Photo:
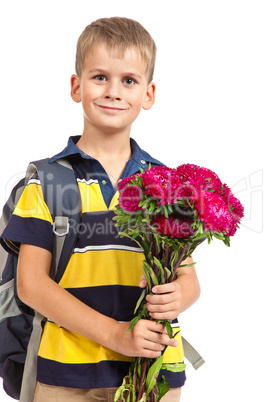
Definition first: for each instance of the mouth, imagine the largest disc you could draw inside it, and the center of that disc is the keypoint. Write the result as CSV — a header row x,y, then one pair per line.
x,y
110,109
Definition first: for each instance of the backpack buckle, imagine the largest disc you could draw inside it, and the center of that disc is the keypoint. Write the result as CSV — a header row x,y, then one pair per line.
x,y
61,226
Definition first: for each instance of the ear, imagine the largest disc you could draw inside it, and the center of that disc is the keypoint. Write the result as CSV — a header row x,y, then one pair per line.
x,y
75,88
150,97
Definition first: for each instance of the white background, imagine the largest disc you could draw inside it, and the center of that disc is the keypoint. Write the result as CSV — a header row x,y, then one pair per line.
x,y
211,110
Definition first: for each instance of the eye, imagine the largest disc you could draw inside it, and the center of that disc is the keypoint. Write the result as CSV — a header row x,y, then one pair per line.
x,y
129,81
100,78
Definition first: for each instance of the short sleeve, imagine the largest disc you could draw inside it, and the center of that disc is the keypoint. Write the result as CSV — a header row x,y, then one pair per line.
x,y
31,221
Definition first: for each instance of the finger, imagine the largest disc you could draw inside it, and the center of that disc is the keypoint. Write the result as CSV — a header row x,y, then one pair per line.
x,y
143,282
156,327
165,288
169,315
158,341
162,308
162,299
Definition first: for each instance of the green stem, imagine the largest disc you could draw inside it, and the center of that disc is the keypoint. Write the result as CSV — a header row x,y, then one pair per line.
x,y
144,366
166,261
172,277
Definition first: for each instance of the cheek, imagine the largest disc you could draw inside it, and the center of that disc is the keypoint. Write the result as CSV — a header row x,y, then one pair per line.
x,y
136,100
90,93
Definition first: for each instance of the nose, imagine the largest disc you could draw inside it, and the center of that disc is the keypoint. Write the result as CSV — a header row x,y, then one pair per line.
x,y
113,91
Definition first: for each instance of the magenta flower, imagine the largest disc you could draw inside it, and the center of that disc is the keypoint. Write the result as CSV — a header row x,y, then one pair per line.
x,y
129,198
162,183
199,178
215,214
234,205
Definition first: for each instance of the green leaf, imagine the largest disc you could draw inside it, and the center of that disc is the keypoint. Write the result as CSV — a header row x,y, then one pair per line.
x,y
146,221
227,241
169,328
174,259
170,208
158,263
153,374
156,237
163,388
166,211
187,265
141,203
168,272
147,275
140,300
149,272
133,322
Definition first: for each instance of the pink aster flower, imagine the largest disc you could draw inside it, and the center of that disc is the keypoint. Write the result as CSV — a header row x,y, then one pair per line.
x,y
199,178
215,214
234,205
161,183
129,197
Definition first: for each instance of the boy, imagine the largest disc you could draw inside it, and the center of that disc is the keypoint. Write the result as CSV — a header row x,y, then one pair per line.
x,y
85,348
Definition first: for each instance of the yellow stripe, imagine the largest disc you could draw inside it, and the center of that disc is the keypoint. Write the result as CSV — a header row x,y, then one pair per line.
x,y
32,204
91,197
64,346
114,201
174,355
101,268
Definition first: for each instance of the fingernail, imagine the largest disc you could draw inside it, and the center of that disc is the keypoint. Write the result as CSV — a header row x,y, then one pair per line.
x,y
176,343
154,290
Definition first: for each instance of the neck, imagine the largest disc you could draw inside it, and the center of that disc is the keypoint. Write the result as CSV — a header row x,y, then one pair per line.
x,y
99,144
113,151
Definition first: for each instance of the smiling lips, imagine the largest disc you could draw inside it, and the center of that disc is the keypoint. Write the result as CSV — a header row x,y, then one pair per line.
x,y
110,109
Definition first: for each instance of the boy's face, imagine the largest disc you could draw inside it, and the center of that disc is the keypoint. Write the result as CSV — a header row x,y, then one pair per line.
x,y
112,90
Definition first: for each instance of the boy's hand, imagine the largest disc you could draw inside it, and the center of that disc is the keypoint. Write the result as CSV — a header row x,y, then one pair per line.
x,y
165,303
147,339
171,299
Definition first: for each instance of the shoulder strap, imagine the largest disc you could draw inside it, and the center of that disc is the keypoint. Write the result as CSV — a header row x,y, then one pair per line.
x,y
62,196
191,354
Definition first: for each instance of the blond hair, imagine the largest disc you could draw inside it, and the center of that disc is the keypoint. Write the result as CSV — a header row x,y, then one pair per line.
x,y
116,33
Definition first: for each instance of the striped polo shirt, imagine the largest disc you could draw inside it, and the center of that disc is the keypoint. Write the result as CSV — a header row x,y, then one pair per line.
x,y
103,272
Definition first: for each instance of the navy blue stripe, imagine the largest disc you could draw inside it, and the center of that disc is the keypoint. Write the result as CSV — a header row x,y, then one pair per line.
x,y
84,376
114,301
95,375
98,228
36,232
175,380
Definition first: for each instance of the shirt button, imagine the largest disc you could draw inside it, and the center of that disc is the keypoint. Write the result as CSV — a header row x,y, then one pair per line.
x,y
104,182
143,162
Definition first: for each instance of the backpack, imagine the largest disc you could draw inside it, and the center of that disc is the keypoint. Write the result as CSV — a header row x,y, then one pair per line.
x,y
20,326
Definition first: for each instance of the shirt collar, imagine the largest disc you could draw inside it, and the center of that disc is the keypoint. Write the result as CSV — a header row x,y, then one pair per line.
x,y
138,155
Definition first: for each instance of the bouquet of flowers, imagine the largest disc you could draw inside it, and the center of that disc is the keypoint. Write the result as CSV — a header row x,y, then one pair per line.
x,y
169,212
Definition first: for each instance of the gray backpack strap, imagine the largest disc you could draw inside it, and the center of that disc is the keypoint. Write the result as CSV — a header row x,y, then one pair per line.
x,y
30,367
60,228
192,355
53,177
